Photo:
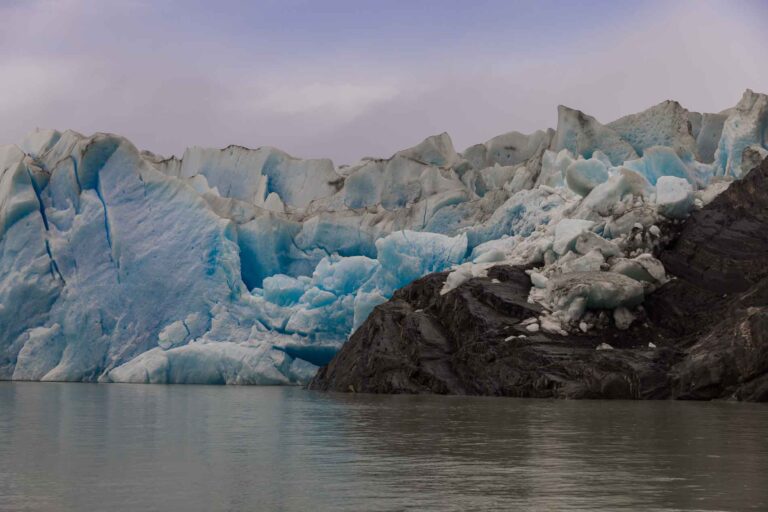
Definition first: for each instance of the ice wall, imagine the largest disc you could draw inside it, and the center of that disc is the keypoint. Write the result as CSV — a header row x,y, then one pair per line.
x,y
252,267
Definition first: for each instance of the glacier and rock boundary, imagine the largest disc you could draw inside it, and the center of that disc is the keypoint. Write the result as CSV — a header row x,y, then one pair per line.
x,y
241,266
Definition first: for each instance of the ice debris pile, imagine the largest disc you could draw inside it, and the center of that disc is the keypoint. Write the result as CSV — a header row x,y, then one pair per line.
x,y
245,266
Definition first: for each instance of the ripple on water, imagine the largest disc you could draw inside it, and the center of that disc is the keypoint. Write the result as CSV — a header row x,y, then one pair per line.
x,y
86,447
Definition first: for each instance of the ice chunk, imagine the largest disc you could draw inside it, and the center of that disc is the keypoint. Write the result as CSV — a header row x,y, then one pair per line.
x,y
435,150
602,157
17,192
396,183
538,280
598,290
330,319
207,363
660,161
200,184
488,256
752,157
364,304
623,318
273,203
626,224
747,124
695,121
534,327
606,197
584,175
172,335
513,148
644,268
251,174
39,141
517,250
363,186
709,136
283,257
665,124
464,273
519,215
409,255
335,233
566,232
494,178
583,135
590,262
674,197
714,189
40,353
553,166
345,275
476,156
508,149
511,178
283,290
316,298
552,325
589,241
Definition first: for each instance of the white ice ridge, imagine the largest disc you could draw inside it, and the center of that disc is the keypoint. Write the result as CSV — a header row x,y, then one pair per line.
x,y
245,266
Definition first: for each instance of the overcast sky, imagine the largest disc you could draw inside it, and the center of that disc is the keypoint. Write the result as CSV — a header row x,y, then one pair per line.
x,y
347,79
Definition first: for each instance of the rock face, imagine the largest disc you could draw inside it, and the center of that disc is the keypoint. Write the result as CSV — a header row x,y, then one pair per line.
x,y
705,334
472,341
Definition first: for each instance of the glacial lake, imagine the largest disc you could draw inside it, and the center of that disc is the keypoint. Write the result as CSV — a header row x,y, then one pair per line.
x,y
68,447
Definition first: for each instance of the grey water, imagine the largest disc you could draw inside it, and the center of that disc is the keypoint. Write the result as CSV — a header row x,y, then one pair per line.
x,y
67,447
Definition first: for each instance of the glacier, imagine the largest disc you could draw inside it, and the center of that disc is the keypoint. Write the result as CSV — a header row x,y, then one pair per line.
x,y
250,266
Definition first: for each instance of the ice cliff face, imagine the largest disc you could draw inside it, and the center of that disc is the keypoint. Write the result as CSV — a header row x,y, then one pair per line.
x,y
251,266
486,337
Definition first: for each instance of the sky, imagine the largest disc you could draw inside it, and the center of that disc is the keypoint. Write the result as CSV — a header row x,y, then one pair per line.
x,y
347,79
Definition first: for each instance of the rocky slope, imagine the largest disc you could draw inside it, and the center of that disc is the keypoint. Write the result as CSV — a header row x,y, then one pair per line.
x,y
704,335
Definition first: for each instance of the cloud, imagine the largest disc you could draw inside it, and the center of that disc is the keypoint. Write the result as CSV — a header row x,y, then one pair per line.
x,y
168,81
698,53
26,83
345,100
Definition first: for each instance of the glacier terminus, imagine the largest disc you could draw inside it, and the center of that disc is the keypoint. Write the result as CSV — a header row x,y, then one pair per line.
x,y
250,266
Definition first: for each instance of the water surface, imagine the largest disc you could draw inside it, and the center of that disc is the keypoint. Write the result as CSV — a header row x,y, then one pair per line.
x,y
138,447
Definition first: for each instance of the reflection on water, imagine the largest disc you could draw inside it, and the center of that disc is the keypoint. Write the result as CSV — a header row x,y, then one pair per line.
x,y
132,447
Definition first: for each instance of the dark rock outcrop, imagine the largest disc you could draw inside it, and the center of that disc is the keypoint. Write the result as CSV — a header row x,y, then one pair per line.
x,y
709,327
